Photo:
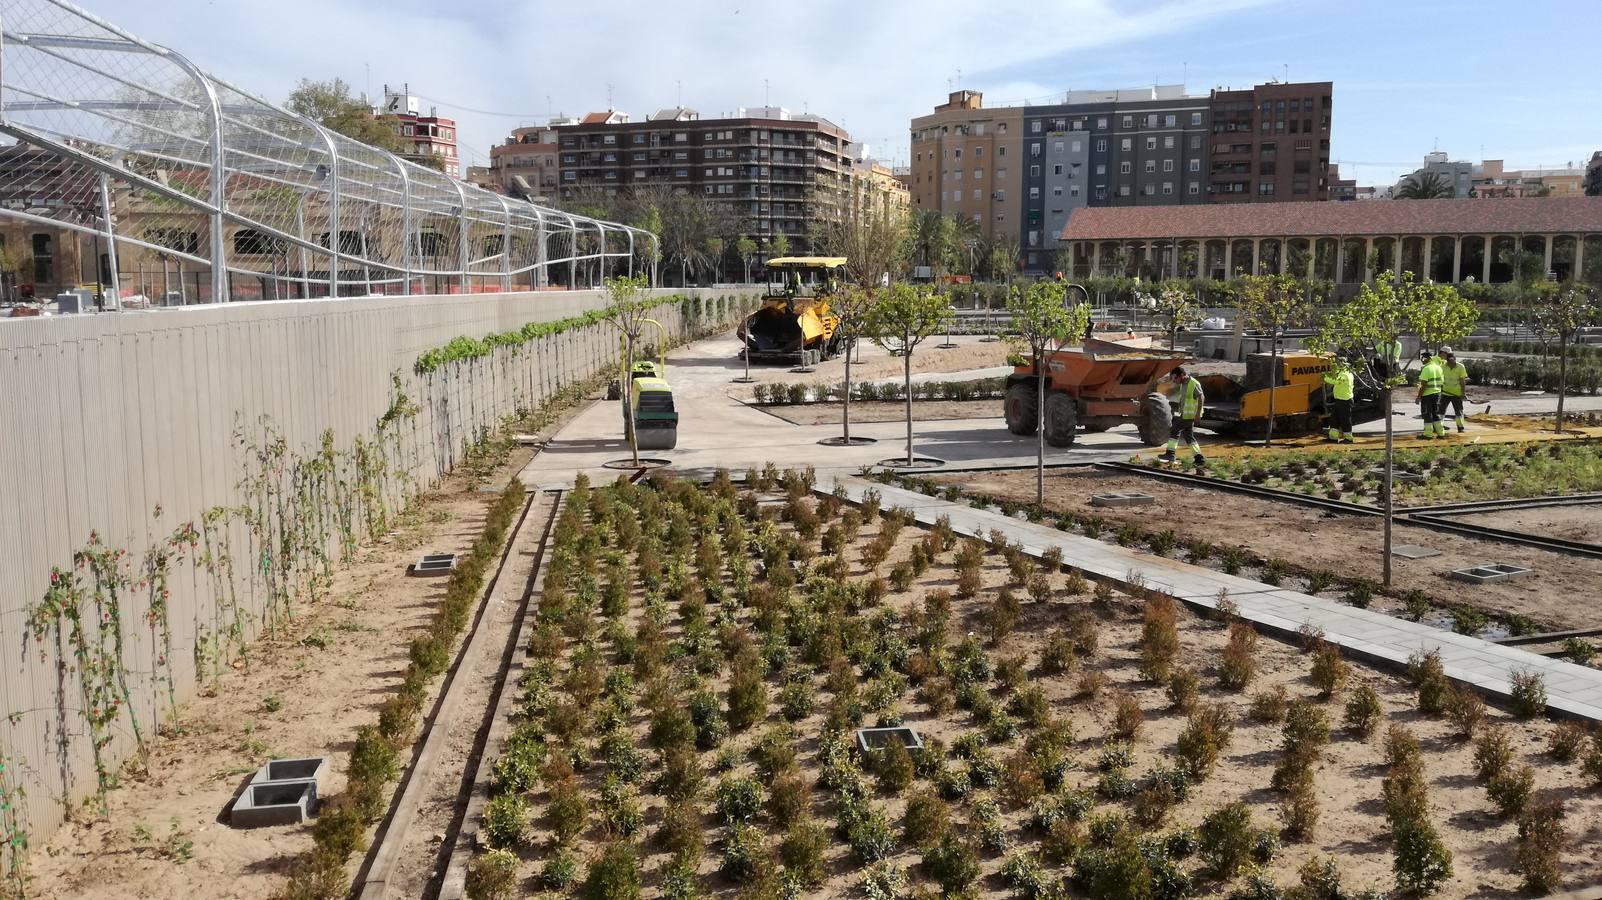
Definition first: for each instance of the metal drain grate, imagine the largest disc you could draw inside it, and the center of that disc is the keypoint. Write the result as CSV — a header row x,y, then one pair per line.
x,y
431,564
870,739
1490,572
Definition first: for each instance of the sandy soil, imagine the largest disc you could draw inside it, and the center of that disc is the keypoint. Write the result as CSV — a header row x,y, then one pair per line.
x,y
876,363
1346,545
1348,776
1571,523
886,411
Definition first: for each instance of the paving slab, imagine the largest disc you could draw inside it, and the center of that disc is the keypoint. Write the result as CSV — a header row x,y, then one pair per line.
x,y
1571,689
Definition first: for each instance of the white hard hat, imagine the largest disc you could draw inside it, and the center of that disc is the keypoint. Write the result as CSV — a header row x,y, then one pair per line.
x,y
1446,349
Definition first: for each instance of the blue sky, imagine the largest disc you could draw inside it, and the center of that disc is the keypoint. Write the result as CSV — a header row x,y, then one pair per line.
x,y
1512,81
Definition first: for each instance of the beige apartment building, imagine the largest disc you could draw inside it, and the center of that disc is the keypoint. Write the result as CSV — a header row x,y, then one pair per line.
x,y
965,162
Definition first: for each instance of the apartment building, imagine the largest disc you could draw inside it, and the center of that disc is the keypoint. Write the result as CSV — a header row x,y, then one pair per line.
x,y
771,167
1271,143
428,136
524,165
1492,178
1023,170
967,161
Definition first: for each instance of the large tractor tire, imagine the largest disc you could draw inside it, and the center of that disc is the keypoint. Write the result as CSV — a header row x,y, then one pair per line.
x,y
1158,422
1022,408
1062,420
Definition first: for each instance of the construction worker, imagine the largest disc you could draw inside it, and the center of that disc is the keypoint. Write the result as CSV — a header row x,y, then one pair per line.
x,y
1429,396
1454,378
1190,409
1390,355
1341,381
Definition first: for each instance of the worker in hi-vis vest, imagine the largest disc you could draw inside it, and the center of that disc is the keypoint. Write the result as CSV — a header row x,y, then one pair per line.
x,y
1454,381
1390,355
1429,396
1341,382
1190,409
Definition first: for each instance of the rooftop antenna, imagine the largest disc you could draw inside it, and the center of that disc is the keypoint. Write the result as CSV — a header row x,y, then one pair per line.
x,y
609,106
1287,73
679,97
1185,76
959,79
765,93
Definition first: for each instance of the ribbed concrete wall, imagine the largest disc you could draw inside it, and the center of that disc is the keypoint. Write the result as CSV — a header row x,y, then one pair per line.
x,y
106,417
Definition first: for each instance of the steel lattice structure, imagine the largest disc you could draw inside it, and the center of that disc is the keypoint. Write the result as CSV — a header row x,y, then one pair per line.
x,y
128,141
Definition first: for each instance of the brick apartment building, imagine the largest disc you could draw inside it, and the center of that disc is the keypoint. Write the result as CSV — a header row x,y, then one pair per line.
x,y
524,165
429,136
1023,170
771,167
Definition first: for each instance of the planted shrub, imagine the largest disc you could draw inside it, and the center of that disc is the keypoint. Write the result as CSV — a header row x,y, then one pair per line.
x,y
614,875
1510,789
1493,752
1057,656
1206,734
1002,615
1226,838
1542,838
1465,710
803,850
1363,711
560,869
737,799
506,820
926,819
1159,640
745,855
1300,808
1528,694
679,832
893,767
492,875
1268,705
1184,688
1566,740
567,812
1239,664
1421,862
1430,677
953,863
1329,671
1127,716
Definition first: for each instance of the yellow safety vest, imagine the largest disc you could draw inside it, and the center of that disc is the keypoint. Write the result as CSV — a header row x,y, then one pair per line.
x,y
1341,382
1429,378
1452,379
1191,406
1392,351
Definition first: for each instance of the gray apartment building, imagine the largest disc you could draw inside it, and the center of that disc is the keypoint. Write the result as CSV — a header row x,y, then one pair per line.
x,y
1140,147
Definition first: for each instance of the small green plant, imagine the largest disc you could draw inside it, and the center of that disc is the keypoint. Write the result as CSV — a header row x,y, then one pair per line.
x,y
614,875
1159,641
1465,710
1184,689
1528,694
1430,677
1542,838
1128,717
1579,651
1566,740
506,820
1239,664
1226,837
1510,789
492,875
1360,592
803,852
953,863
926,819
1421,861
1363,712
1493,752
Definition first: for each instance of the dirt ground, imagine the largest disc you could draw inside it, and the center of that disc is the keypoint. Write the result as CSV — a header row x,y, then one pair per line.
x,y
877,364
1345,545
1351,826
886,411
1571,523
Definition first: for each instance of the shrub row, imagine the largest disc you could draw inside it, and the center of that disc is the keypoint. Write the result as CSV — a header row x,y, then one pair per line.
x,y
341,827
795,394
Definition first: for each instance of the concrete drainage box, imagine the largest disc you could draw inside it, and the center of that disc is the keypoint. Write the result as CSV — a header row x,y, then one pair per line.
x,y
1409,477
282,792
1122,499
870,739
1490,572
432,564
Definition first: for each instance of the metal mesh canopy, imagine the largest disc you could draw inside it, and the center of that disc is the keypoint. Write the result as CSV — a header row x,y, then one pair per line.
x,y
194,190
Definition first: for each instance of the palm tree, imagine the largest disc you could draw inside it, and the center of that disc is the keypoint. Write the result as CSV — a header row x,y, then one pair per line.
x,y
965,236
931,238
1426,186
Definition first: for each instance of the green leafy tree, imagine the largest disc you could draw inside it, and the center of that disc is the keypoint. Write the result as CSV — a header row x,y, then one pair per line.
x,y
1043,319
1571,308
1381,314
1175,306
747,249
854,309
901,319
779,245
1426,186
932,238
868,231
630,313
330,104
1003,259
1273,304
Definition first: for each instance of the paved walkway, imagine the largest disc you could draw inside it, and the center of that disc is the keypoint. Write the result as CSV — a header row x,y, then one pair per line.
x,y
1571,689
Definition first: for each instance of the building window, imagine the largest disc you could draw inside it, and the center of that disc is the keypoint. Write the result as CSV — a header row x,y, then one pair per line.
x,y
1151,165
1168,165
1125,167
1168,187
1127,144
1001,196
1151,120
1000,174
1195,165
677,173
1001,128
1195,187
1073,190
1123,190
1101,168
1034,149
1077,147
978,151
978,173
1168,142
957,153
979,128
1034,171
1151,143
1195,142
1034,127
1129,121
1149,190
1101,192
956,196
1056,170
1056,191
1101,123
957,175
1001,151
1195,118
251,241
609,139
1034,193
1101,145
1169,121
1056,146
976,193
1265,187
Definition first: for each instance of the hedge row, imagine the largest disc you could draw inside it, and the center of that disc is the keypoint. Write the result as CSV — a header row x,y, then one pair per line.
x,y
342,825
797,394
1531,373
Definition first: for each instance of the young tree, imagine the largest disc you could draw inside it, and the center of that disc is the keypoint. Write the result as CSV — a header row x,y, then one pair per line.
x,y
779,245
901,319
629,312
1572,308
1384,313
854,308
747,248
1176,307
1273,304
1044,319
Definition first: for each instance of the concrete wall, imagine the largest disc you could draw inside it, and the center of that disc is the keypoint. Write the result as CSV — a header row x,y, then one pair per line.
x,y
223,409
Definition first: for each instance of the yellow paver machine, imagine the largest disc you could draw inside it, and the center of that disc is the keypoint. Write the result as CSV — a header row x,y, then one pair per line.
x,y
794,323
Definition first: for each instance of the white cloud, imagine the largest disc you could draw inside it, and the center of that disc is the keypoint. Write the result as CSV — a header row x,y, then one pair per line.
x,y
868,66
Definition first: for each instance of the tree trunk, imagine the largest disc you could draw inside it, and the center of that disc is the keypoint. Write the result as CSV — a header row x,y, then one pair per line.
x,y
1273,382
1563,377
906,365
1040,432
1389,500
845,418
628,400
